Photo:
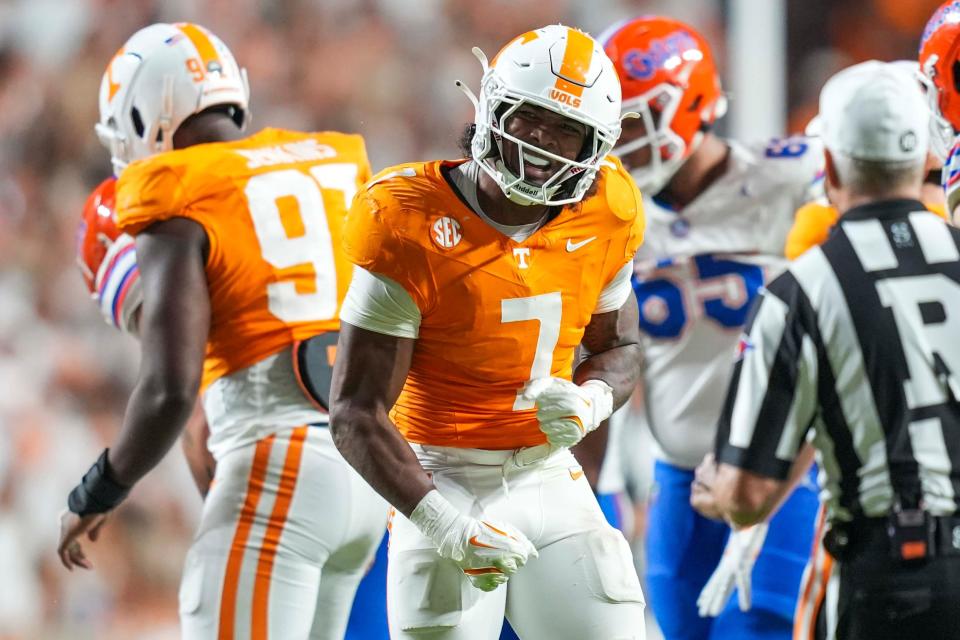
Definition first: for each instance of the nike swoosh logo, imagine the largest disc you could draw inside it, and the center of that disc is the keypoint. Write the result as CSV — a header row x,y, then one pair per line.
x,y
475,542
573,246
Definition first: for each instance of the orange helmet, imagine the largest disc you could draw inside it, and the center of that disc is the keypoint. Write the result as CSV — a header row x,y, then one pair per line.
x,y
939,59
108,260
668,76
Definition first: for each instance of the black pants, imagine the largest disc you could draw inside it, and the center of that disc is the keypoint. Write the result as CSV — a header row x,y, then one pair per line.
x,y
882,598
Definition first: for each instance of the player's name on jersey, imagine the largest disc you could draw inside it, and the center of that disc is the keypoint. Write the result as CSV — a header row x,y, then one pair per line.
x,y
299,151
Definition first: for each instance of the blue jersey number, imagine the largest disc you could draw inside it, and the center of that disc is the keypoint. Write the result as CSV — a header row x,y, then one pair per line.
x,y
786,148
663,304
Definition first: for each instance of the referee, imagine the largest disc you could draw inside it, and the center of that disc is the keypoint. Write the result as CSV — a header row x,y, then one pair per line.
x,y
856,349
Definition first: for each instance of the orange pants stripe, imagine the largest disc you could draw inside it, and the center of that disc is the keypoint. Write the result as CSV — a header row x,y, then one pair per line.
x,y
271,540
228,601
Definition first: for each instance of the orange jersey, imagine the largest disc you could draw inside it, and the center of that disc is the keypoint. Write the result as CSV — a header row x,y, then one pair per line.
x,y
813,222
495,312
272,206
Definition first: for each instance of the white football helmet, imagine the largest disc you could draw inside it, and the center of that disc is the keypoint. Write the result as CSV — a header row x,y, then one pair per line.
x,y
561,69
161,76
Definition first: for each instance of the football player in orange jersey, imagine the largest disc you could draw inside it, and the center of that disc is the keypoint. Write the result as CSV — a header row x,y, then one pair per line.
x,y
107,260
235,240
455,392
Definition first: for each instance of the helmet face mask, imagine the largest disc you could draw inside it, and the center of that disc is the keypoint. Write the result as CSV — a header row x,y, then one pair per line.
x,y
654,155
512,150
541,68
942,133
162,75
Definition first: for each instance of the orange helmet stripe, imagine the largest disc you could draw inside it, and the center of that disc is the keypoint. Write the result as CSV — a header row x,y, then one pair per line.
x,y
576,62
202,42
523,38
112,87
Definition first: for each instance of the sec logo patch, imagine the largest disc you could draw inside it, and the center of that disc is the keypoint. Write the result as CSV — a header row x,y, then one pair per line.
x,y
446,232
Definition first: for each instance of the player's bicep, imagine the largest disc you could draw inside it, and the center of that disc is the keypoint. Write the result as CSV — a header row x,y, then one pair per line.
x,y
175,319
370,369
613,329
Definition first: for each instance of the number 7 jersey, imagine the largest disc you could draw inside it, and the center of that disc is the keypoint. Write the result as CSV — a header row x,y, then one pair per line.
x,y
494,312
272,206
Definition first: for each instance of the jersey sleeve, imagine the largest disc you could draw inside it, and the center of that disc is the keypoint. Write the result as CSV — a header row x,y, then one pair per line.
x,y
375,238
772,398
951,177
617,291
148,192
377,303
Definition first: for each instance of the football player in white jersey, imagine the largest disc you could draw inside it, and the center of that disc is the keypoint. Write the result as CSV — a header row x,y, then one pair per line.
x,y
718,213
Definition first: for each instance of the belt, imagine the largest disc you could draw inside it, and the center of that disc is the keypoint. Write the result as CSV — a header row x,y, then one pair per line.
x,y
522,457
936,536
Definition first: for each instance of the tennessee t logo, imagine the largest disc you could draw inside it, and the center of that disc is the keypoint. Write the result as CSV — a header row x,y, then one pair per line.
x,y
521,253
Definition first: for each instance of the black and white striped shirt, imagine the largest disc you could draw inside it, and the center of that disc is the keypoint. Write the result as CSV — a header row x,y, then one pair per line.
x,y
856,347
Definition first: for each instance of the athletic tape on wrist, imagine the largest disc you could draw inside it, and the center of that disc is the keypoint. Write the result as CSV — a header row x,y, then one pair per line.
x,y
96,493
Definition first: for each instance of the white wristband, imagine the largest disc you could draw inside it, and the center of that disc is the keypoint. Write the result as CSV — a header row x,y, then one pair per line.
x,y
601,397
434,516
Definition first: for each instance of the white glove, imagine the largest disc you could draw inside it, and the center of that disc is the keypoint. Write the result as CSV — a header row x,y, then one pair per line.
x,y
487,552
734,569
567,411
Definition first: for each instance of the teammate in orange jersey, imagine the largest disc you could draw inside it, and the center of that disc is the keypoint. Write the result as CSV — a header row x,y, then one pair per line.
x,y
235,243
108,262
455,392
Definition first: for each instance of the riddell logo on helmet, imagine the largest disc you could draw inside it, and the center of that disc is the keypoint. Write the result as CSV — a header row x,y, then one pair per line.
x,y
564,98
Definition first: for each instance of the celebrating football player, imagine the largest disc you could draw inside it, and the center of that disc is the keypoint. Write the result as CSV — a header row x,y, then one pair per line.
x,y
236,256
455,392
717,215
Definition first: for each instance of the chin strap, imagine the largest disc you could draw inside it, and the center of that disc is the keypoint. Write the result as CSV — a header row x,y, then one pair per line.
x,y
166,117
515,190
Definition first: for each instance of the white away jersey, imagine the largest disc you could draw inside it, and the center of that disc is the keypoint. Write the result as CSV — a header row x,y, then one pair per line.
x,y
696,275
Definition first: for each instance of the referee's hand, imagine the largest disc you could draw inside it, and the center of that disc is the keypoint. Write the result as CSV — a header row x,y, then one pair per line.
x,y
72,529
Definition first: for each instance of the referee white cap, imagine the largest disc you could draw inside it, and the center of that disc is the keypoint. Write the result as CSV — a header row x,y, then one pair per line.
x,y
874,111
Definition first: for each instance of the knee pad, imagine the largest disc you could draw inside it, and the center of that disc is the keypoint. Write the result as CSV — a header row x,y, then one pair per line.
x,y
611,575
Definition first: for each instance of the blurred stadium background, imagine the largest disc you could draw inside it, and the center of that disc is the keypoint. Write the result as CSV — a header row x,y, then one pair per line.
x,y
382,68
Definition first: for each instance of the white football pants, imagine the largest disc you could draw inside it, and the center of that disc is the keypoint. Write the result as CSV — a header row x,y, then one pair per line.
x,y
288,531
582,586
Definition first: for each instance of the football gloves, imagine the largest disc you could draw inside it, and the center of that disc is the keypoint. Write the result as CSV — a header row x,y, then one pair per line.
x,y
734,570
487,552
568,411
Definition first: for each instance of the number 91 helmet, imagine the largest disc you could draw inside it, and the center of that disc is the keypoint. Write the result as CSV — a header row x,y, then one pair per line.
x,y
560,69
161,76
669,76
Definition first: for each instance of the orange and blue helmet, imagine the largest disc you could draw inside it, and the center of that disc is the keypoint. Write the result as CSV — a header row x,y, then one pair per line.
x,y
668,75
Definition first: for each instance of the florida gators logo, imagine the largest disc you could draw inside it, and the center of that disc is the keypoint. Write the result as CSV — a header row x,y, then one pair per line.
x,y
948,12
642,64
